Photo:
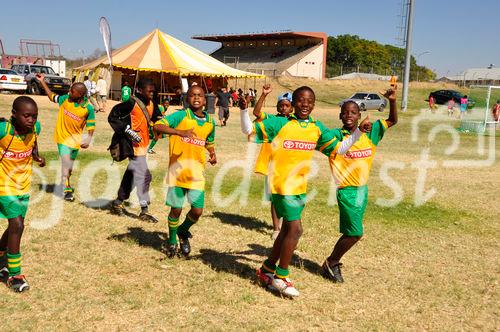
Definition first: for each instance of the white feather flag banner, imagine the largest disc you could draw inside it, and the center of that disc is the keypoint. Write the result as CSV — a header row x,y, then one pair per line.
x,y
106,37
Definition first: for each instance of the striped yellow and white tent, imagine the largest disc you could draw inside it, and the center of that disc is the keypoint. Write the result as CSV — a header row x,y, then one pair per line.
x,y
160,52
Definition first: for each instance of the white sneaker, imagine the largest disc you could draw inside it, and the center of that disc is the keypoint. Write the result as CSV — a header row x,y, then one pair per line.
x,y
285,287
266,279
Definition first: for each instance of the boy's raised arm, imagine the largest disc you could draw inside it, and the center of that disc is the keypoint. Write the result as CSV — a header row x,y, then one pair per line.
x,y
41,78
266,89
391,95
245,122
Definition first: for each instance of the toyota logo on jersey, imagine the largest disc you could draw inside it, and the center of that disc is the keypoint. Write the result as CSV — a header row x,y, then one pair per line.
x,y
72,116
193,141
299,145
17,155
358,154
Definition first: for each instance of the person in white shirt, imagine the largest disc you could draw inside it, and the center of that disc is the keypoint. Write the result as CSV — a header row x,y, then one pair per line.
x,y
91,88
102,93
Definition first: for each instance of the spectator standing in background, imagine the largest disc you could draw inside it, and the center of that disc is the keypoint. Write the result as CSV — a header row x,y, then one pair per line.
x,y
90,91
451,107
102,93
463,106
126,91
223,99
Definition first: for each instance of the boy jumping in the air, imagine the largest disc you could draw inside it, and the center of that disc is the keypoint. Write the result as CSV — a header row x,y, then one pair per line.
x,y
293,141
284,108
75,114
351,172
18,149
192,132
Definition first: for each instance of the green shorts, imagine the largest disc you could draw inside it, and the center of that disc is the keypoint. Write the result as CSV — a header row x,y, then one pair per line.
x,y
176,196
14,206
289,207
352,205
65,150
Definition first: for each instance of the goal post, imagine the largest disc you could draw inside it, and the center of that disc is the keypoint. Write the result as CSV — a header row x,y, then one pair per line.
x,y
481,118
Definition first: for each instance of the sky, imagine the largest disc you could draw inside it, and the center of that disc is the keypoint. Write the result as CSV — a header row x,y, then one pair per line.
x,y
448,37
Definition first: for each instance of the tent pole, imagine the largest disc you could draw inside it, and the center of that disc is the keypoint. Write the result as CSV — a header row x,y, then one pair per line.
x,y
204,83
136,79
161,83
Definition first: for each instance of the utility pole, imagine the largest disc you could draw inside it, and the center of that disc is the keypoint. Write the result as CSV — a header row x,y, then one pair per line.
x,y
418,57
406,79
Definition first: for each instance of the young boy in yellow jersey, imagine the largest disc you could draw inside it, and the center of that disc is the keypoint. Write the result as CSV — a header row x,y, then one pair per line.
x,y
75,114
18,150
351,172
192,132
293,141
284,108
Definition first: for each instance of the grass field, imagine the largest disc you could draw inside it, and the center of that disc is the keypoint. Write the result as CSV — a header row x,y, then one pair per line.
x,y
429,260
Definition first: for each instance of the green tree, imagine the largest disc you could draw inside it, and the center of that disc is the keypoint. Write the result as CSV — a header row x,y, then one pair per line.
x,y
348,53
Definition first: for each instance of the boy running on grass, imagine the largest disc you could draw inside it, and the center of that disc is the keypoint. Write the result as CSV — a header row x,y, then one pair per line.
x,y
18,149
284,108
293,140
351,172
131,121
75,114
192,132
163,109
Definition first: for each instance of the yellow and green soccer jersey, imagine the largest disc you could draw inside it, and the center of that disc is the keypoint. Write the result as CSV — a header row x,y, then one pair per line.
x,y
71,120
262,162
16,165
188,155
293,142
353,168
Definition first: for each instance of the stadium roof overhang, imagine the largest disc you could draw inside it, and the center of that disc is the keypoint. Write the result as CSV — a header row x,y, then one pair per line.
x,y
262,36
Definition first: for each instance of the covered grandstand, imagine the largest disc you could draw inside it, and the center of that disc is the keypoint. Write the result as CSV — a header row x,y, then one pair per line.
x,y
286,53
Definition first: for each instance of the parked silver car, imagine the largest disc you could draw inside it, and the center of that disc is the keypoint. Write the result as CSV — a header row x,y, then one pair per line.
x,y
367,101
56,83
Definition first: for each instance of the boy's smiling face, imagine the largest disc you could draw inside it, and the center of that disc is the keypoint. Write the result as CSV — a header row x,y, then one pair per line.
x,y
350,115
304,104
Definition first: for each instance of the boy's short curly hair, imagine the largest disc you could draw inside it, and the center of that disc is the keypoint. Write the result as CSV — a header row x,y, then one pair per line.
x,y
344,105
21,100
295,94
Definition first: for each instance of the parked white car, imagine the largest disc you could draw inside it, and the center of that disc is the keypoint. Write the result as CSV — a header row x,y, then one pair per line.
x,y
11,81
367,101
